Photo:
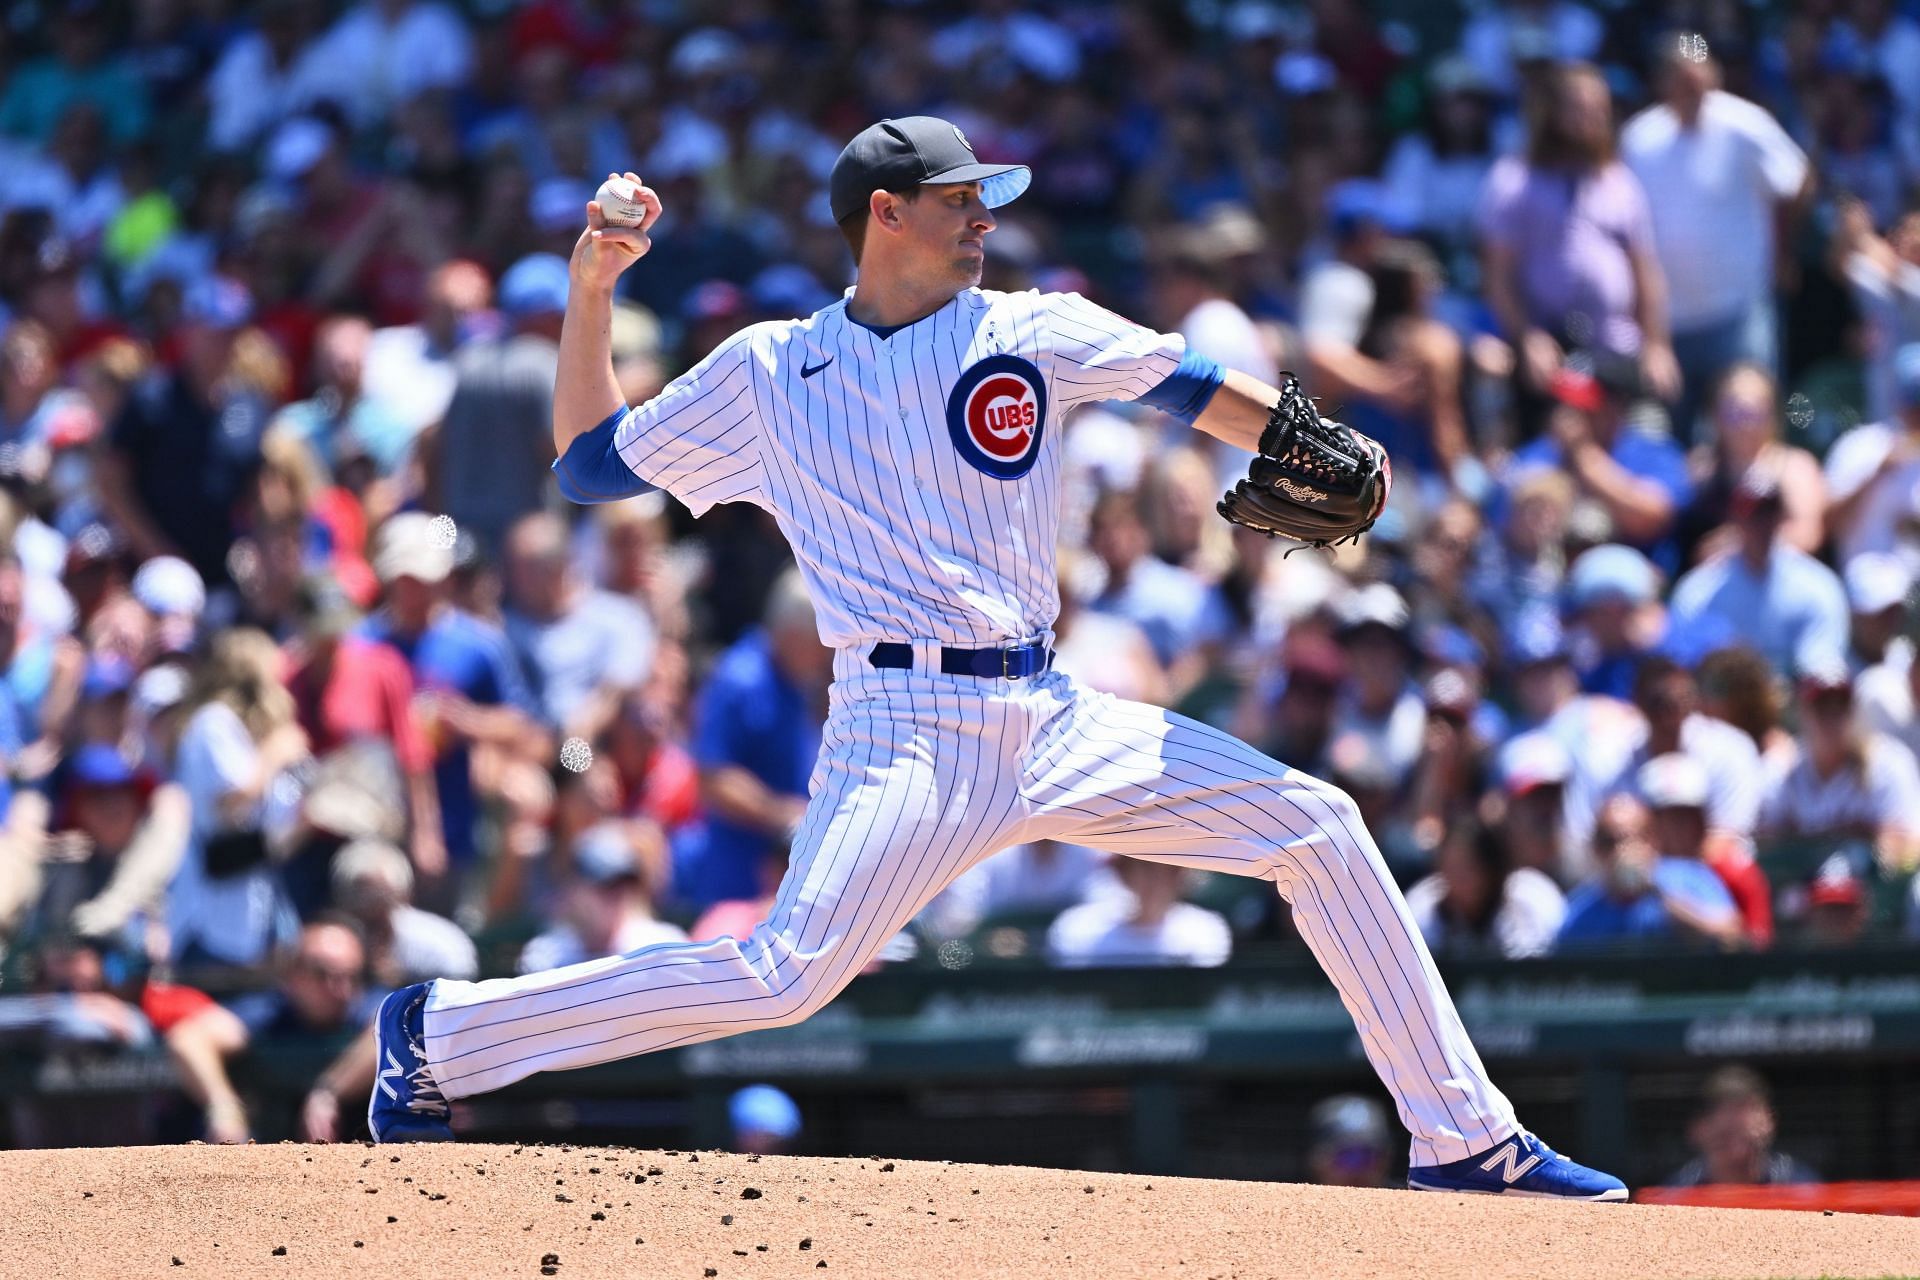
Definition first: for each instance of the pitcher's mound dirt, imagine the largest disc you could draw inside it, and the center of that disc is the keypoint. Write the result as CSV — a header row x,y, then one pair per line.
x,y
548,1210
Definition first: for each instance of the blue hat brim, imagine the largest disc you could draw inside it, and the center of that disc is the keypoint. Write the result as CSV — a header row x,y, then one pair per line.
x,y
999,183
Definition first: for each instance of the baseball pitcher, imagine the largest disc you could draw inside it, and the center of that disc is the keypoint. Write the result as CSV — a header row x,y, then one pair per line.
x,y
907,440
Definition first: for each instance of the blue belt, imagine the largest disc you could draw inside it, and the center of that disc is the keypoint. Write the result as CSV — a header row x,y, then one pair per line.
x,y
1016,663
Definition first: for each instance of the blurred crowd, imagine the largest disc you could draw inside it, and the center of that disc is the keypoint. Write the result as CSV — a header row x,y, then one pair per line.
x,y
310,684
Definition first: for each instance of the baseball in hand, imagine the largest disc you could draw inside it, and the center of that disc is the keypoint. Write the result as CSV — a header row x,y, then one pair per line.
x,y
620,202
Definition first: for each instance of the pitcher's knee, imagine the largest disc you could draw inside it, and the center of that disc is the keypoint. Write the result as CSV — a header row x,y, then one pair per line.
x,y
1341,809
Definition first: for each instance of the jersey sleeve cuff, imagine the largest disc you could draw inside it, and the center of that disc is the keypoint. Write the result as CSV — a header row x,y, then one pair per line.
x,y
1188,390
592,470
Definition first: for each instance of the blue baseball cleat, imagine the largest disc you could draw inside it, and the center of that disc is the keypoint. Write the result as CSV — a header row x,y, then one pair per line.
x,y
406,1105
1521,1166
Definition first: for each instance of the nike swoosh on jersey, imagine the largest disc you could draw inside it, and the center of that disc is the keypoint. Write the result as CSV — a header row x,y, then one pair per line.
x,y
808,370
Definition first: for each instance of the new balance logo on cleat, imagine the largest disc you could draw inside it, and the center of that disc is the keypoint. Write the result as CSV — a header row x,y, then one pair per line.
x,y
389,1073
1509,1155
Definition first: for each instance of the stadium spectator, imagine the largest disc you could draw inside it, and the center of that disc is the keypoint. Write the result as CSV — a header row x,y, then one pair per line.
x,y
117,837
1148,926
1734,1130
1347,1143
1839,905
321,998
382,54
1380,703
637,561
485,463
1676,788
373,886
349,689
1668,699
471,697
1872,470
1570,257
1106,651
266,72
1433,176
343,419
1534,774
1521,563
1878,585
1183,616
1769,593
1613,595
227,905
1638,893
1477,901
410,368
1337,300
582,649
180,457
1738,686
1638,480
1597,733
756,733
1727,173
607,909
1192,294
1845,783
1884,274
1744,416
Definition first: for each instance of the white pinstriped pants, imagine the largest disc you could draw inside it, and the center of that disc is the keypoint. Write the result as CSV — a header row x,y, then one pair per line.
x,y
921,776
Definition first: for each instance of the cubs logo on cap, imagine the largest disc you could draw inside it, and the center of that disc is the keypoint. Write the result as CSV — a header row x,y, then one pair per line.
x,y
997,414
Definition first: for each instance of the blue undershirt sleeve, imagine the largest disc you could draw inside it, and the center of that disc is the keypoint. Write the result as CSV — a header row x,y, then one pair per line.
x,y
1188,390
592,470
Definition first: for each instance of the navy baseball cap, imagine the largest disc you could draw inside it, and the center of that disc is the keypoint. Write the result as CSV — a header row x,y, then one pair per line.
x,y
915,151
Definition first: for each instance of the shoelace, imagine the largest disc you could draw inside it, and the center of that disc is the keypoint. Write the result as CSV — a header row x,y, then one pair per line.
x,y
424,1096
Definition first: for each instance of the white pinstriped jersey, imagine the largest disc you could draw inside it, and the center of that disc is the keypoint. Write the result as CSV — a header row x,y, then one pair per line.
x,y
915,475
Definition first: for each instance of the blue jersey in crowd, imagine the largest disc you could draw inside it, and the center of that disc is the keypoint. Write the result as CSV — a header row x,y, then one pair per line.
x,y
1593,916
752,716
1650,457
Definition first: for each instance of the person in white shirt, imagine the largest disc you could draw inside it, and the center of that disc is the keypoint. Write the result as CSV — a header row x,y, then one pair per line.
x,y
373,882
1476,900
1873,472
1190,288
1721,171
1846,782
1150,926
385,53
608,908
1336,302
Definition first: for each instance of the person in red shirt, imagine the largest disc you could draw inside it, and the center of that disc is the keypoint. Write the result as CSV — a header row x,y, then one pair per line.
x,y
658,776
347,689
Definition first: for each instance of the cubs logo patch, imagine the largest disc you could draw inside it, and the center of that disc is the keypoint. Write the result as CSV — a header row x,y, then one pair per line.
x,y
997,414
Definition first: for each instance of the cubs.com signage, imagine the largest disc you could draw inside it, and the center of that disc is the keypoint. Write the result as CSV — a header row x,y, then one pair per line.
x,y
997,414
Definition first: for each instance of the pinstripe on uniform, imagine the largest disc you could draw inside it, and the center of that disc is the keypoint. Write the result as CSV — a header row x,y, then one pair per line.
x,y
900,537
